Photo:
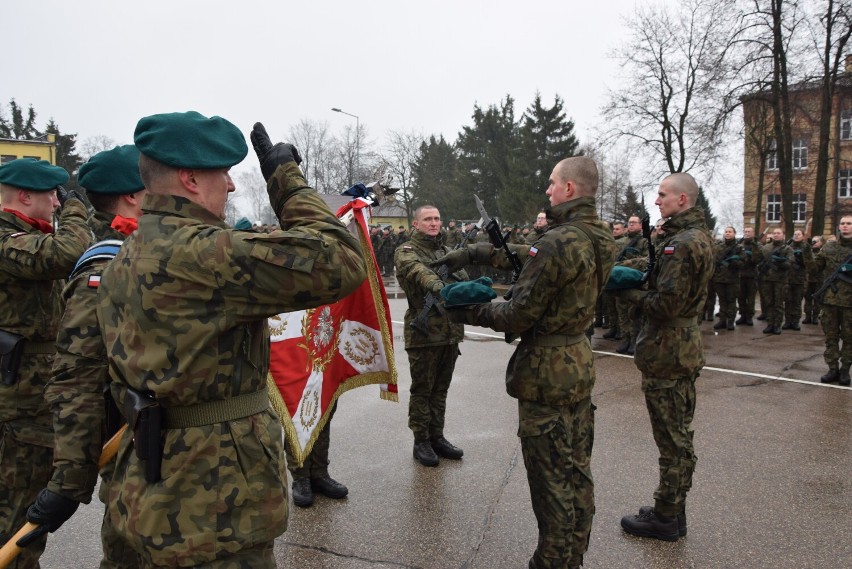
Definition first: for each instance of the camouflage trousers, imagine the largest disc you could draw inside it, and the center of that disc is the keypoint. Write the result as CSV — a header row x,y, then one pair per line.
x,y
671,407
556,441
745,298
260,556
316,463
837,325
26,463
117,552
610,312
629,320
793,302
710,303
727,293
811,306
772,295
431,374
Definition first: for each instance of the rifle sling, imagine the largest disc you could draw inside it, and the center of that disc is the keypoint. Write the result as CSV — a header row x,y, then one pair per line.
x,y
598,265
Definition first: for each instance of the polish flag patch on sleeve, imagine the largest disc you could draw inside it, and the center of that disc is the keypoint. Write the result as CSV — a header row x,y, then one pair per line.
x,y
533,251
94,281
668,250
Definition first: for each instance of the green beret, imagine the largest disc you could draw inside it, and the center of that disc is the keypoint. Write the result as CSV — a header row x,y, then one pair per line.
x,y
32,174
468,293
243,224
190,140
624,277
112,172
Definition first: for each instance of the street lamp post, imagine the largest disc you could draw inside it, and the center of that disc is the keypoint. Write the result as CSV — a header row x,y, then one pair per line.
x,y
357,139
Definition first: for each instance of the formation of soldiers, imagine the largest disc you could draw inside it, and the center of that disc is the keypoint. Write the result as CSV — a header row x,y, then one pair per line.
x,y
385,243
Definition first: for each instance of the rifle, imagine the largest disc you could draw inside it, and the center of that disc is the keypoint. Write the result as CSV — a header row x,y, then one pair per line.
x,y
646,233
498,240
819,295
431,300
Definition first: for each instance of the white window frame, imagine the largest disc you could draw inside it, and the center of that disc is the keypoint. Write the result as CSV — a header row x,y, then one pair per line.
x,y
844,184
800,208
773,208
846,125
800,154
772,156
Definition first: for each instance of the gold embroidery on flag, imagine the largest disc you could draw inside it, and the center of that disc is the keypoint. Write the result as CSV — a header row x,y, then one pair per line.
x,y
364,350
321,341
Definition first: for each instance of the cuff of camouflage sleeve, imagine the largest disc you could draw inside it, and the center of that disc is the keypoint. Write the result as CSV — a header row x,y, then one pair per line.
x,y
287,181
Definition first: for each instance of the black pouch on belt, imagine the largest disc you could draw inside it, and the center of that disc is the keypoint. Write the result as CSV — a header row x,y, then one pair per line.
x,y
145,415
11,348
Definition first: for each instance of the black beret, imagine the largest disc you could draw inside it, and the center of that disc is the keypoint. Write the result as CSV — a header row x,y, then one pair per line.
x,y
32,174
468,292
112,172
190,140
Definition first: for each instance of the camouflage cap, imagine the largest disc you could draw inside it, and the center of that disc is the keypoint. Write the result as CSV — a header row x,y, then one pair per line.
x,y
190,140
468,293
623,278
32,174
112,172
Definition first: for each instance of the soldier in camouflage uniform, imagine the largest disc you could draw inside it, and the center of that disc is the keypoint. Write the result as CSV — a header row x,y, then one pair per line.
x,y
814,280
200,476
453,236
726,278
834,261
752,257
552,371
629,315
777,260
34,260
670,352
608,301
796,279
432,355
538,228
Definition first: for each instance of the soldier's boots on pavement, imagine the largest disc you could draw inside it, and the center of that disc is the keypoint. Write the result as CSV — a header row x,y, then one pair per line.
x,y
844,378
329,487
611,333
791,326
681,519
651,524
446,449
761,317
721,324
744,321
424,453
772,329
830,377
303,496
624,346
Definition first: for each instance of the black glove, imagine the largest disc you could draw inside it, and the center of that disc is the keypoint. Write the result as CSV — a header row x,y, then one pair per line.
x,y
271,156
49,511
63,194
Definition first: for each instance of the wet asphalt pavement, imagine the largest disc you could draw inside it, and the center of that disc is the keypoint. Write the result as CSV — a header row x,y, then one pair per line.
x,y
772,489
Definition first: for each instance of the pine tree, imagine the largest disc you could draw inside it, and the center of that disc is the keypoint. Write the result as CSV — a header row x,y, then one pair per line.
x,y
66,151
435,179
702,202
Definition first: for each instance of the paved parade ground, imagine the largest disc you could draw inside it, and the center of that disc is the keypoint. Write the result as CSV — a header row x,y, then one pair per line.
x,y
772,489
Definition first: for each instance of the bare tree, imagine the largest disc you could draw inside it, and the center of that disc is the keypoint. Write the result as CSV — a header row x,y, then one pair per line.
x,y
95,144
315,144
251,190
672,99
400,158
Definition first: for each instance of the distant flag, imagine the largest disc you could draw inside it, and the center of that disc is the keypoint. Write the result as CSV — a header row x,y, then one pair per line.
x,y
316,355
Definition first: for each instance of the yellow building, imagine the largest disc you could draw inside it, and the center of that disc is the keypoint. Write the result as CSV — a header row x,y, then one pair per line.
x,y
762,198
12,149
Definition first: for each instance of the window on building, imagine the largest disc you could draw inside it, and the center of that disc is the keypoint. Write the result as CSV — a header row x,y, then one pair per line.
x,y
800,154
7,158
773,208
772,156
844,184
846,125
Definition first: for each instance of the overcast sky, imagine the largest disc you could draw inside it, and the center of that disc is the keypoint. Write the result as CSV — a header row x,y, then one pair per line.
x,y
96,67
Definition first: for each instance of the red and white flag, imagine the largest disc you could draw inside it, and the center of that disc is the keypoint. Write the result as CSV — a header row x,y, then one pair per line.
x,y
318,354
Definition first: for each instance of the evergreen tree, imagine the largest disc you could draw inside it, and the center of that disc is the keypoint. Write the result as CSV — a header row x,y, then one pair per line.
x,y
631,205
5,125
702,202
483,156
23,129
66,151
435,178
545,136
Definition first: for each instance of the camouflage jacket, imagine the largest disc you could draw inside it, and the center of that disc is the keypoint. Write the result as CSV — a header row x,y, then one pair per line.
x,y
32,268
831,256
669,346
452,237
633,247
777,260
183,312
552,305
752,257
416,278
729,259
75,392
802,254
535,234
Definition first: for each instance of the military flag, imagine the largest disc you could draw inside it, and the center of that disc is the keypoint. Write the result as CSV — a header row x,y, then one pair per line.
x,y
316,355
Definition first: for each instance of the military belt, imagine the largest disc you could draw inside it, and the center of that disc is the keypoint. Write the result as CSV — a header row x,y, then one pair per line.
x,y
217,411
39,347
551,340
677,322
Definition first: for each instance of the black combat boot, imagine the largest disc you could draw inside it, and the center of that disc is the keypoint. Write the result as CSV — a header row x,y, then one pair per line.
x,y
303,496
769,329
681,519
611,333
446,449
651,524
424,453
328,486
749,321
832,376
720,325
794,326
762,317
741,320
844,376
776,329
730,323
787,326
624,346
807,320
